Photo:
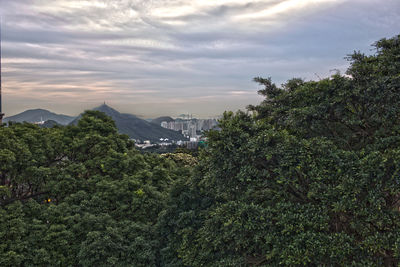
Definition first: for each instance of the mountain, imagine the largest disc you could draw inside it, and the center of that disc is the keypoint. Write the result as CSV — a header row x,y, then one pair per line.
x,y
137,128
37,115
159,120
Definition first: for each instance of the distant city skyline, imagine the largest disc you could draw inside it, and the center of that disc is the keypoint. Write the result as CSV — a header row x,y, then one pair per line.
x,y
159,57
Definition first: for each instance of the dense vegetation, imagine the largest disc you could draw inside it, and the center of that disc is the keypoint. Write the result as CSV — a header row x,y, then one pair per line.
x,y
80,195
310,177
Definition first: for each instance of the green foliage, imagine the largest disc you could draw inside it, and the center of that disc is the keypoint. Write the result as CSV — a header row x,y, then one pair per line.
x,y
182,159
79,196
310,177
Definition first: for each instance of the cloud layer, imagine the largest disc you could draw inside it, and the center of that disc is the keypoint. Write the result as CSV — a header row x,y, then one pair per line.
x,y
167,57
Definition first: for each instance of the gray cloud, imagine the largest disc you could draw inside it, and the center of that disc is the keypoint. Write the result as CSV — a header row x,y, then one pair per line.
x,y
165,57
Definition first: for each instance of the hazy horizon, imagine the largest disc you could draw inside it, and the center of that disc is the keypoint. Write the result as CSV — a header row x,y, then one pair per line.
x,y
168,57
182,115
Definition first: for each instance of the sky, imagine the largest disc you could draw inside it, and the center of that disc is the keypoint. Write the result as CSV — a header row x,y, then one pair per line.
x,y
168,57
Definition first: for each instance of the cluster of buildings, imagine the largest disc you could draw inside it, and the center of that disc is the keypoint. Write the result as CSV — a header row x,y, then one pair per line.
x,y
191,128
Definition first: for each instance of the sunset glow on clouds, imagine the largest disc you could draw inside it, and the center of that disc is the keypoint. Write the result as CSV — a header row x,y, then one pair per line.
x,y
166,57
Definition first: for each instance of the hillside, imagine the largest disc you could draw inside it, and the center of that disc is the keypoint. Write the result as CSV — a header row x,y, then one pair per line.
x,y
137,128
159,120
36,115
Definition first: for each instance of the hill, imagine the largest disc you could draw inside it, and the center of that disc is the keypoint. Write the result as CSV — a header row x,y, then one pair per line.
x,y
36,115
159,120
137,128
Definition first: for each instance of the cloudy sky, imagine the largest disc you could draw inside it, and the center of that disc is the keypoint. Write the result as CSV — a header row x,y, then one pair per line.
x,y
167,57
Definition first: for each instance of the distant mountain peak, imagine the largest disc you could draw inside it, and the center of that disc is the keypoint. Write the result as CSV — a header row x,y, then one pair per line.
x,y
37,109
36,115
135,127
104,105
107,109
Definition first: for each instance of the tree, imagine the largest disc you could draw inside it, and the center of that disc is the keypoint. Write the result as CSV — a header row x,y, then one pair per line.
x,y
79,196
308,177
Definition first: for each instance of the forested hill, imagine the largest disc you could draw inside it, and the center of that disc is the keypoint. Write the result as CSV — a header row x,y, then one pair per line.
x,y
309,177
137,128
37,115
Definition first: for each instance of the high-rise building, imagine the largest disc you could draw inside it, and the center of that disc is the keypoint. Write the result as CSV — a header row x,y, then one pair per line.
x,y
192,130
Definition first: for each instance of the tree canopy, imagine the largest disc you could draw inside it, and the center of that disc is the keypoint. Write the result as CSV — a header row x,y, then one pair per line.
x,y
79,196
308,177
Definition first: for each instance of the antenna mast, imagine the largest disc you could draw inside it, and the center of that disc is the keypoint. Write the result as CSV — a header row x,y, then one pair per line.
x,y
1,111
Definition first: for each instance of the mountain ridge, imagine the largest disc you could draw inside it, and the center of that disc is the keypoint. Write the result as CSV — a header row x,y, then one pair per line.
x,y
159,120
37,115
135,127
